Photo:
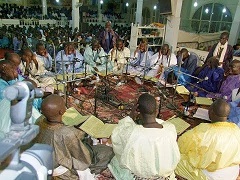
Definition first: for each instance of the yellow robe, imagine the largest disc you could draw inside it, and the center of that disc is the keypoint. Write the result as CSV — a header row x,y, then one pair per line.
x,y
208,146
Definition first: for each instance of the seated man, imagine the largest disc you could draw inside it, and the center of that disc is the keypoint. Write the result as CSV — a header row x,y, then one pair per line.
x,y
72,60
230,83
211,150
15,60
44,56
140,62
211,75
161,60
35,69
96,59
71,153
144,151
187,63
119,56
8,75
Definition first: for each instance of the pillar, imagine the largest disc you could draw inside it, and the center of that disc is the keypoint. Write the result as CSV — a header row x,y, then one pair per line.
x,y
99,11
75,14
44,7
235,28
138,19
173,23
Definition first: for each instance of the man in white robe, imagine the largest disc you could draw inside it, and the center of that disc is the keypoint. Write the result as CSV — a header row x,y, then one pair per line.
x,y
140,60
144,151
161,61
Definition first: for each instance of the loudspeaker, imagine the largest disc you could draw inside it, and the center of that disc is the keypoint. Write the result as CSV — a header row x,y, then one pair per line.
x,y
165,7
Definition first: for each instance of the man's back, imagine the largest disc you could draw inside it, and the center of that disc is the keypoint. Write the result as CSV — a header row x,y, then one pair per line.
x,y
146,152
70,152
210,150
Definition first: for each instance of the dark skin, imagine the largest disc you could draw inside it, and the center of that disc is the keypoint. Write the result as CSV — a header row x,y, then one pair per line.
x,y
7,71
41,50
223,38
148,119
234,67
53,108
14,59
219,111
212,62
29,57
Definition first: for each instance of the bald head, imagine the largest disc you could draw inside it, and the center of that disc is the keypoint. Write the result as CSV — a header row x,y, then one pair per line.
x,y
14,58
219,111
7,70
53,107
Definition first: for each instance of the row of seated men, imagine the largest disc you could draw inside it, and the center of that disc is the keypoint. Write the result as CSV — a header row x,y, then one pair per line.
x,y
149,150
213,79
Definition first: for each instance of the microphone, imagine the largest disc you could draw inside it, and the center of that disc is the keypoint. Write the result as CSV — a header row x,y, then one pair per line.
x,y
162,94
104,56
201,80
76,60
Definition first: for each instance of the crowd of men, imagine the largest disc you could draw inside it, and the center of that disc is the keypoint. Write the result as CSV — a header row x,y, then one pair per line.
x,y
148,150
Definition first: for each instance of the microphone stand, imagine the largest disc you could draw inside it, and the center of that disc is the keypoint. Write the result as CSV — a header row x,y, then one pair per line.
x,y
85,73
127,59
64,78
171,105
142,89
169,62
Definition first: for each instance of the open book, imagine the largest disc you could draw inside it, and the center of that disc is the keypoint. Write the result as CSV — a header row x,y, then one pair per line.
x,y
96,128
202,114
179,124
72,117
204,101
182,90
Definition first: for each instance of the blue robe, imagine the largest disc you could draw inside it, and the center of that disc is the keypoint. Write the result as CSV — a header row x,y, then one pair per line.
x,y
234,115
212,84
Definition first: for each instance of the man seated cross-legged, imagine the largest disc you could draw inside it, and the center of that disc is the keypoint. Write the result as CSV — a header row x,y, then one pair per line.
x,y
211,150
144,151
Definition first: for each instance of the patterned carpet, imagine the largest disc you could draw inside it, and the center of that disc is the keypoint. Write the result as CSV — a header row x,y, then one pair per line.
x,y
113,102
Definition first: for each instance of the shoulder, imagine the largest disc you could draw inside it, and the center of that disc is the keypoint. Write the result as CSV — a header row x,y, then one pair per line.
x,y
69,132
126,49
229,47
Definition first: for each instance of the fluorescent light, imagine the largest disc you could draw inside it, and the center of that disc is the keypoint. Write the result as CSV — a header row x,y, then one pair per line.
x,y
195,4
206,10
224,10
101,1
154,7
127,4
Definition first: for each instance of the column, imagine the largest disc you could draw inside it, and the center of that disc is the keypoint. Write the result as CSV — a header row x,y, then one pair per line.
x,y
99,10
44,7
235,29
173,22
75,14
138,19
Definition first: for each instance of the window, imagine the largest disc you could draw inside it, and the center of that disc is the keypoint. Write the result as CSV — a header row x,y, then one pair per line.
x,y
212,17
